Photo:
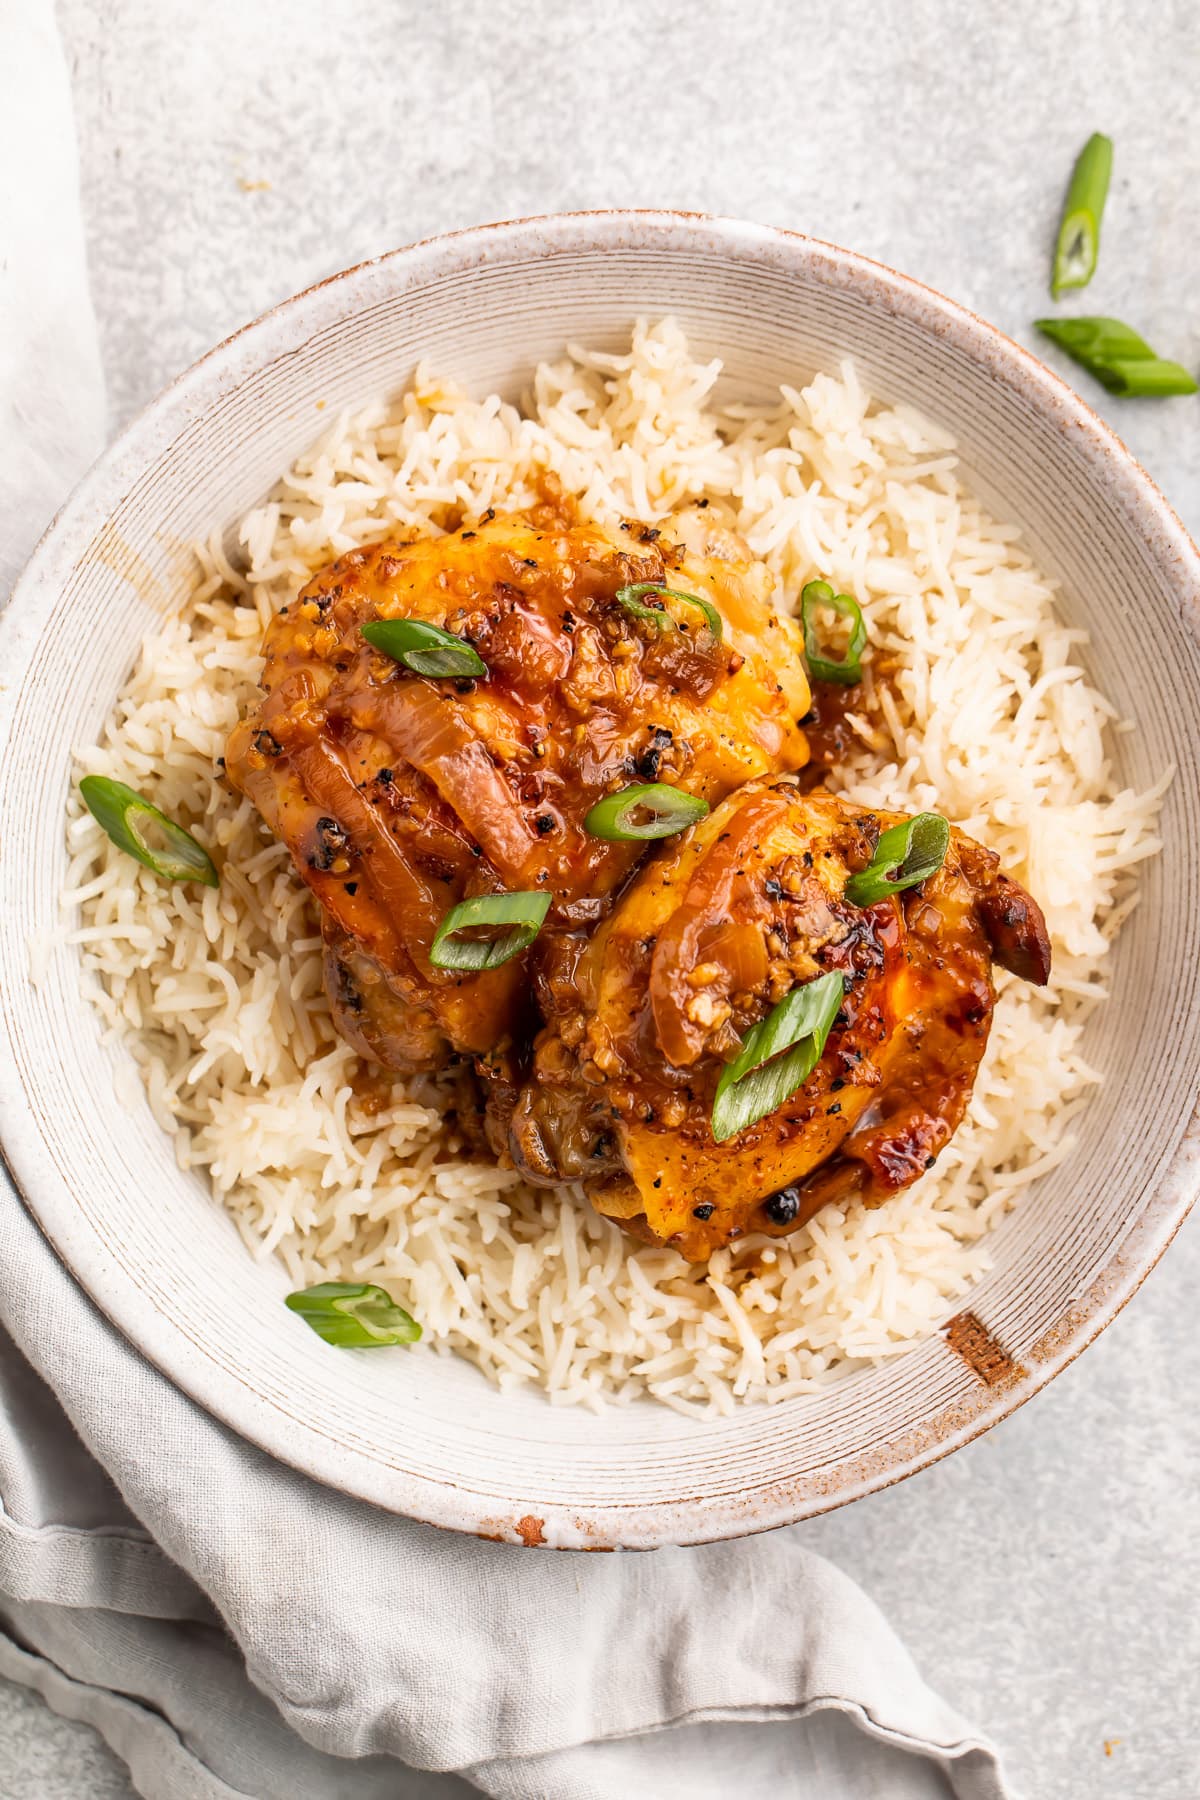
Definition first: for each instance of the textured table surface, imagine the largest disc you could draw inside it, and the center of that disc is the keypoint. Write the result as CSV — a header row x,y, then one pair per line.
x,y
1046,1577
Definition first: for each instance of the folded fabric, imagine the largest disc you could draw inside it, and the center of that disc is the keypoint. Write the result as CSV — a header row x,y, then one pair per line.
x,y
234,1629
385,1641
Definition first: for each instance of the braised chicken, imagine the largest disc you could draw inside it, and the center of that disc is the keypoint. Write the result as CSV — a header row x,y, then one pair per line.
x,y
401,794
717,928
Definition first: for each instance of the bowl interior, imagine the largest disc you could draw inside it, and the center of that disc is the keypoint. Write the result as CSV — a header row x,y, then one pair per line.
x,y
428,1436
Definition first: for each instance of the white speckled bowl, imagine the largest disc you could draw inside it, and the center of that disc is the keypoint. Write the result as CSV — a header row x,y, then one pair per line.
x,y
427,1436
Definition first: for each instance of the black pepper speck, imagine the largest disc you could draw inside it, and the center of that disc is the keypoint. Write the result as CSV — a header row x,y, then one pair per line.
x,y
784,1207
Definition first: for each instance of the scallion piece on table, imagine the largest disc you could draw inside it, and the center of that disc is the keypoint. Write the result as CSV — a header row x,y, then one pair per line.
x,y
652,810
515,919
147,834
1078,245
425,649
1120,360
776,1056
822,667
905,855
354,1314
633,599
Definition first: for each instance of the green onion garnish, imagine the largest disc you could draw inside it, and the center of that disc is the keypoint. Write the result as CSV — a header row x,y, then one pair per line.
x,y
425,649
776,1056
128,819
1120,360
631,599
654,810
818,594
522,912
354,1314
904,855
1078,244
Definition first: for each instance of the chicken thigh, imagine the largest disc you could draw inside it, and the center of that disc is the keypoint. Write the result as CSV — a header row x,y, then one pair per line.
x,y
717,929
400,793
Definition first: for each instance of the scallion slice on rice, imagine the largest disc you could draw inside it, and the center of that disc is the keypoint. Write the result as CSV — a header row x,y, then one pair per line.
x,y
138,828
846,669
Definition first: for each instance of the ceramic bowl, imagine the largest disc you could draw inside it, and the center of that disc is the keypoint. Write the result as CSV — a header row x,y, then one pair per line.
x,y
427,1436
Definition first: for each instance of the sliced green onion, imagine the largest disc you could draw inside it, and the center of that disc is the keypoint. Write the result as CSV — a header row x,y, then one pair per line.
x,y
522,912
776,1056
425,649
653,810
905,855
818,594
631,598
1120,360
1078,244
354,1314
128,818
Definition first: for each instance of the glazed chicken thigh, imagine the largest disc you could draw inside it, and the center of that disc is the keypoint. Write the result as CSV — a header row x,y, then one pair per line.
x,y
713,932
400,794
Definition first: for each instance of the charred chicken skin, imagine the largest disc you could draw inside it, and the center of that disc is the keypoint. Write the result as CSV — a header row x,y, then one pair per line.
x,y
712,933
399,795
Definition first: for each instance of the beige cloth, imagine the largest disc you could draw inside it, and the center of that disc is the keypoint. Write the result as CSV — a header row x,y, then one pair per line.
x,y
234,1629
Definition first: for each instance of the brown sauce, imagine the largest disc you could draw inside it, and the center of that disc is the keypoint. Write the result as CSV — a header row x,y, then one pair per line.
x,y
831,736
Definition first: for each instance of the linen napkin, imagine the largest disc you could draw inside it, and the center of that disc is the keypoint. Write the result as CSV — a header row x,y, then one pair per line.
x,y
233,1629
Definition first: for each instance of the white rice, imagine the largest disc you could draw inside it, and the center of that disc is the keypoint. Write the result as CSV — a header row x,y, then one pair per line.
x,y
218,995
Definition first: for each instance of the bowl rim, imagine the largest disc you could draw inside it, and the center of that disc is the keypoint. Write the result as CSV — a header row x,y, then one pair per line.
x,y
159,423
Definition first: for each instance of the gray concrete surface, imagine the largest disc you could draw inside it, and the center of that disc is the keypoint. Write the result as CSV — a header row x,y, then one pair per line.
x,y
43,1757
1047,1577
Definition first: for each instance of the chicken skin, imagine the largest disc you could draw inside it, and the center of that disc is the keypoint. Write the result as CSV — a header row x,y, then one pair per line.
x,y
711,934
401,794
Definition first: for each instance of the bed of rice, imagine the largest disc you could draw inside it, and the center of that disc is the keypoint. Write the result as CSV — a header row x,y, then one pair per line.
x,y
218,995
